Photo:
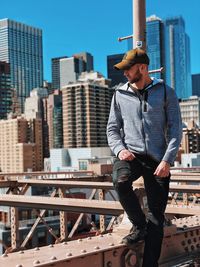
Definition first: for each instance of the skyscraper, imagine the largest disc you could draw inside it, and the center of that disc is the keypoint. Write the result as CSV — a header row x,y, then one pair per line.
x,y
86,108
87,59
177,57
168,46
21,145
116,76
66,70
191,138
5,90
196,84
35,108
190,109
33,104
21,46
154,37
55,120
55,72
70,68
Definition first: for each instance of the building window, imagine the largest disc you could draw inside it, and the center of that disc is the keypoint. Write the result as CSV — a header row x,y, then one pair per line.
x,y
83,165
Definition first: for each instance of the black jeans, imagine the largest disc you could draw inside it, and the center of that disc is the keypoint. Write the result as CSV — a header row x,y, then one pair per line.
x,y
157,188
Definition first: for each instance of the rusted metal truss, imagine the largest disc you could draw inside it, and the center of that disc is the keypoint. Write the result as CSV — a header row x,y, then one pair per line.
x,y
183,201
107,250
16,200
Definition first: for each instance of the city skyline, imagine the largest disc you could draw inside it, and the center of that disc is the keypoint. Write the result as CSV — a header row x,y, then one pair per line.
x,y
72,27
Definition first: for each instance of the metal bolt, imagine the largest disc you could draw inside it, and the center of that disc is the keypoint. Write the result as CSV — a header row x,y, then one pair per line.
x,y
97,247
183,243
111,244
37,248
69,254
83,251
53,258
19,265
131,259
21,252
89,238
115,253
36,262
80,240
51,246
64,243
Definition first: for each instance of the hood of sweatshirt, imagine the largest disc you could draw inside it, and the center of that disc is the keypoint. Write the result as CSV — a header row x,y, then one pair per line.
x,y
126,86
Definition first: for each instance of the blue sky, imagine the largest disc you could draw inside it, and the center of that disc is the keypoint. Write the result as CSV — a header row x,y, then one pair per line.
x,y
72,26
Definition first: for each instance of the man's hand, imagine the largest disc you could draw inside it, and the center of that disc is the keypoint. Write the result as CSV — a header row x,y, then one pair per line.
x,y
163,169
125,154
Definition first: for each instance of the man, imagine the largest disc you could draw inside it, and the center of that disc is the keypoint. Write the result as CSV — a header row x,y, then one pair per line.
x,y
144,132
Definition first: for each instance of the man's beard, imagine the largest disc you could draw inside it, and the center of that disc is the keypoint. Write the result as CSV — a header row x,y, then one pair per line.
x,y
137,77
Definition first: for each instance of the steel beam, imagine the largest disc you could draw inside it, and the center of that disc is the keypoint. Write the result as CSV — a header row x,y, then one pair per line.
x,y
102,218
107,250
183,210
185,179
82,205
63,217
185,188
181,174
176,187
45,174
67,184
108,185
14,228
4,183
176,177
67,204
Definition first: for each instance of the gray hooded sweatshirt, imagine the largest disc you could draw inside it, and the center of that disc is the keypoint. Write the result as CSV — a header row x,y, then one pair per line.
x,y
147,124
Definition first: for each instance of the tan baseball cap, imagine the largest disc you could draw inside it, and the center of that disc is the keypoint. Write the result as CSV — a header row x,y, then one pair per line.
x,y
132,57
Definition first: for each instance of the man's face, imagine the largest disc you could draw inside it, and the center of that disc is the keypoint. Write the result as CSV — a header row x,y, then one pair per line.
x,y
133,74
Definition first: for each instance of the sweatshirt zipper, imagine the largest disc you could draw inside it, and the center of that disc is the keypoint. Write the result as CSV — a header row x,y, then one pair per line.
x,y
142,99
142,120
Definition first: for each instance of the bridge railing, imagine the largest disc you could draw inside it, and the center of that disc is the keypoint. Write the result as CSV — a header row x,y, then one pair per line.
x,y
16,198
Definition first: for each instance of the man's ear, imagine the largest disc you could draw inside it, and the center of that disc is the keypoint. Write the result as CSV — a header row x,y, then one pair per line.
x,y
143,67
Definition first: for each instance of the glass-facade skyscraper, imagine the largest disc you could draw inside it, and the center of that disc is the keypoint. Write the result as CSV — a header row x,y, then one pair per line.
x,y
154,37
177,57
168,46
21,47
196,84
58,123
5,90
116,76
87,60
